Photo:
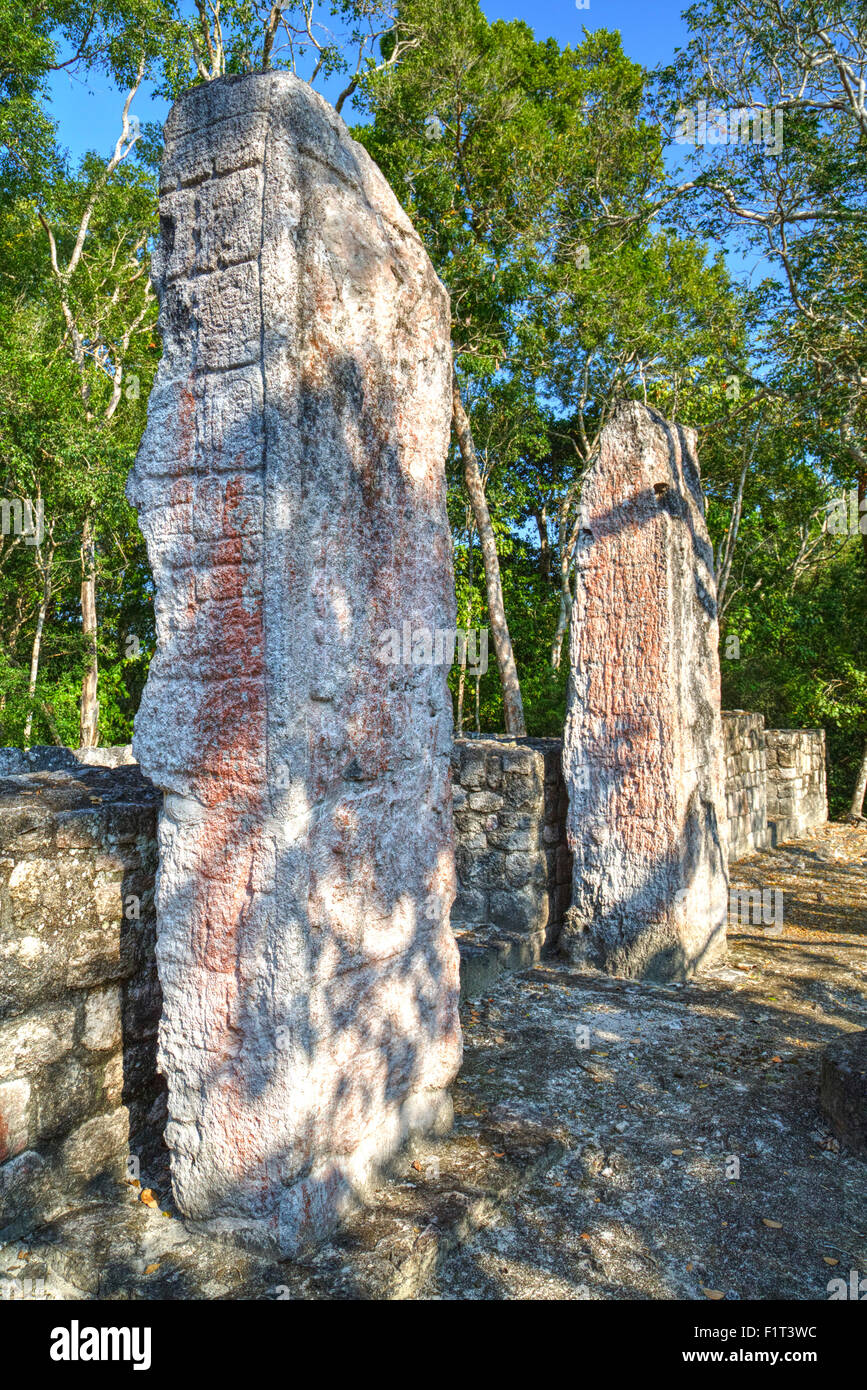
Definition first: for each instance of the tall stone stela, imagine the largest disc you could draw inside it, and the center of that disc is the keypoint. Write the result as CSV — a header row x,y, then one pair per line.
x,y
291,489
643,743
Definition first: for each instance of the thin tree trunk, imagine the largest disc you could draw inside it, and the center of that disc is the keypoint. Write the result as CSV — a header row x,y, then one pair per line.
x,y
567,551
462,683
541,519
45,708
270,31
462,677
725,563
512,705
89,715
562,622
857,808
37,641
49,717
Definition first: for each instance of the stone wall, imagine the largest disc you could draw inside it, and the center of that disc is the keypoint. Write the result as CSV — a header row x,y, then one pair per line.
x,y
775,782
510,816
513,865
745,782
797,791
51,758
79,999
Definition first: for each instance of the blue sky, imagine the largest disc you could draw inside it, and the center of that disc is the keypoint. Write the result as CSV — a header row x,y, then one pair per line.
x,y
88,112
651,29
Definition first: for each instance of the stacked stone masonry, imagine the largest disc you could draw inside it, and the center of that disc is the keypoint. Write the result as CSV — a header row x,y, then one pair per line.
x,y
797,790
514,867
79,997
745,782
510,814
775,782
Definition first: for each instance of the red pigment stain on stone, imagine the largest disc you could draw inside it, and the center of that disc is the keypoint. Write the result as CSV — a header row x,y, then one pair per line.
x,y
231,725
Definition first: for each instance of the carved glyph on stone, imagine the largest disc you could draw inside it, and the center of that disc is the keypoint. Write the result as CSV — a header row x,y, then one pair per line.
x,y
291,489
643,745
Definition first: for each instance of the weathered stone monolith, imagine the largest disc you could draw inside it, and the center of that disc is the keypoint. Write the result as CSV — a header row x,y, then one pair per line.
x,y
643,743
291,489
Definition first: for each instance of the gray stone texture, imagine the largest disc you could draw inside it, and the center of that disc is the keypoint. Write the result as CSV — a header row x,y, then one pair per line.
x,y
797,792
513,864
642,755
291,489
49,758
775,782
746,782
79,997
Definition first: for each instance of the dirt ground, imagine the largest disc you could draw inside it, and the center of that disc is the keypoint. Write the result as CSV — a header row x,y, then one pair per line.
x,y
614,1140
676,1083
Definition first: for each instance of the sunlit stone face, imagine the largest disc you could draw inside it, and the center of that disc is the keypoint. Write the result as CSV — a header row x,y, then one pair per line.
x,y
642,757
291,489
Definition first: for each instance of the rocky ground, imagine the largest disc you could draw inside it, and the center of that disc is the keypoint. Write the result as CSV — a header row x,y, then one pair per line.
x,y
614,1140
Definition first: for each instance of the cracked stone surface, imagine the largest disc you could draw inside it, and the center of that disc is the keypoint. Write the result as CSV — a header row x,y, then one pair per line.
x,y
643,742
291,489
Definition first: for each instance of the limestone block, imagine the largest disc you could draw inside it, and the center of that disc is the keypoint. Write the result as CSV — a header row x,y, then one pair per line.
x,y
98,1148
64,1094
102,1020
36,1041
519,909
14,1127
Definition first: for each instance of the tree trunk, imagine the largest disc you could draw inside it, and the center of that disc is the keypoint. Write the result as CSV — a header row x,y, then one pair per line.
x,y
512,705
562,623
462,684
725,564
565,594
462,676
567,550
857,808
89,717
544,543
37,642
